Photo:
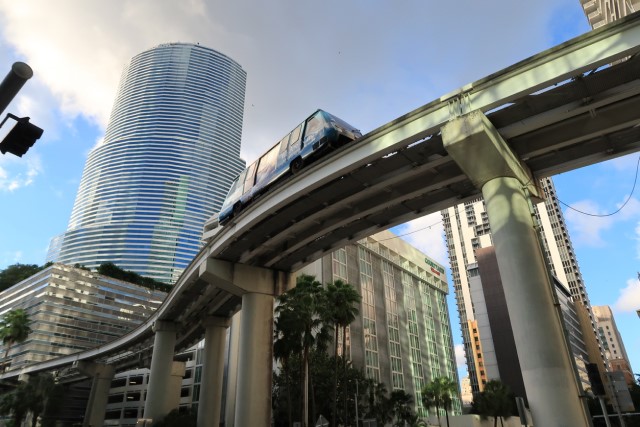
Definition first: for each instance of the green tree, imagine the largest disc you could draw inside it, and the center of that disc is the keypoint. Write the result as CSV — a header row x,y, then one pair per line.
x,y
17,273
16,403
342,308
439,393
304,307
321,370
112,270
81,266
14,328
401,404
286,345
40,388
379,404
495,401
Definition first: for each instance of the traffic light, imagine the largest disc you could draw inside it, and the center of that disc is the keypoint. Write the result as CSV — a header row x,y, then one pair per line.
x,y
21,137
597,387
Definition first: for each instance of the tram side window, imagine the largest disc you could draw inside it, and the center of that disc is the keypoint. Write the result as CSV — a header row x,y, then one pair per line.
x,y
314,127
249,180
294,141
282,155
267,165
236,189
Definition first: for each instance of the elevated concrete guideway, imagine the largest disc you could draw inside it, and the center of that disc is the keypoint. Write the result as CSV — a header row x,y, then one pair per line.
x,y
556,111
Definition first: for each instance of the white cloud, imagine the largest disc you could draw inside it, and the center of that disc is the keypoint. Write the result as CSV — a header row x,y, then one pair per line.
x,y
588,230
78,49
461,362
426,234
17,174
629,299
367,64
637,231
624,163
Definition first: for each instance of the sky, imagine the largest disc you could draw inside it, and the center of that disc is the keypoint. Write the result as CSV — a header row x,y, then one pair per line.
x,y
367,62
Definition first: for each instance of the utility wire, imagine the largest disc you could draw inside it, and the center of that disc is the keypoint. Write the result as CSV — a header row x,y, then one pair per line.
x,y
411,232
619,209
565,204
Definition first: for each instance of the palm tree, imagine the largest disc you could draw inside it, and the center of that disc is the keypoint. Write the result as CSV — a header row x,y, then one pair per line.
x,y
40,388
14,328
401,404
286,344
379,403
342,304
439,393
495,401
16,403
303,307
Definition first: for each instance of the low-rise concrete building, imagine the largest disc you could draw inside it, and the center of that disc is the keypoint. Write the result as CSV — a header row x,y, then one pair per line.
x,y
71,310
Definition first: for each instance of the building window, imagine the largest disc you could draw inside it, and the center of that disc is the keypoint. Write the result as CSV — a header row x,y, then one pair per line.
x,y
135,380
185,391
339,263
130,413
372,366
393,324
133,396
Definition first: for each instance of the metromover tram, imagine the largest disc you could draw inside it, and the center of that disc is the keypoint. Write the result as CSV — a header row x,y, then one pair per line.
x,y
317,135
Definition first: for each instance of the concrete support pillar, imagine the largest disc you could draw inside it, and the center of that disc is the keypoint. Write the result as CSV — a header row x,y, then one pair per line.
x,y
158,401
253,394
96,406
547,371
172,393
257,287
232,370
210,402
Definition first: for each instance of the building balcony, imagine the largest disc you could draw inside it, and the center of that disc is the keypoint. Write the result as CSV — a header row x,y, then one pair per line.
x,y
590,6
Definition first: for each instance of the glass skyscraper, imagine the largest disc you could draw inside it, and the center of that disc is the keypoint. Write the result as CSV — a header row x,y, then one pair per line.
x,y
170,153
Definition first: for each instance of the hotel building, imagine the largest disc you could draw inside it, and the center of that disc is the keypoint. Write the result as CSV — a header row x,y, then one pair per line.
x,y
402,335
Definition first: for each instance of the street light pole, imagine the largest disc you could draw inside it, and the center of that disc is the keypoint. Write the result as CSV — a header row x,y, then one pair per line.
x,y
356,402
13,82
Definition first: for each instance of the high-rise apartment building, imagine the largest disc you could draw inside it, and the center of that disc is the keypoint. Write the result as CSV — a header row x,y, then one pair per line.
x,y
467,229
612,342
493,340
170,152
601,12
402,335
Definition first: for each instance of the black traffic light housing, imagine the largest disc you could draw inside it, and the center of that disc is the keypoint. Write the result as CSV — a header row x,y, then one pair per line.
x,y
21,137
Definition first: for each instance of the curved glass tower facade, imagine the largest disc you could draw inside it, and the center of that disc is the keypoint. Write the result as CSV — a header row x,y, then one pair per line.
x,y
170,152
